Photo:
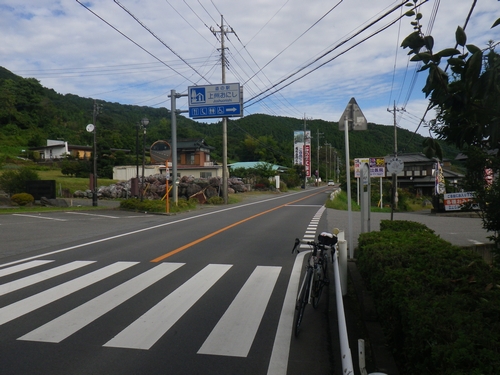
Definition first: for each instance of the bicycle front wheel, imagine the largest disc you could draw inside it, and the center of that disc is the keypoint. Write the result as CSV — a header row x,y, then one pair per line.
x,y
302,301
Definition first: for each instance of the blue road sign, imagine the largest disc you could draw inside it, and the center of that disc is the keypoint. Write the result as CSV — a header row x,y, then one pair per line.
x,y
223,100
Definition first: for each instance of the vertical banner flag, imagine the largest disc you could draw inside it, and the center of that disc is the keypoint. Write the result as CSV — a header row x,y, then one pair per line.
x,y
302,149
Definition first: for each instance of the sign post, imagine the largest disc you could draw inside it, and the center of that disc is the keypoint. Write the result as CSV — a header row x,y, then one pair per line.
x,y
354,118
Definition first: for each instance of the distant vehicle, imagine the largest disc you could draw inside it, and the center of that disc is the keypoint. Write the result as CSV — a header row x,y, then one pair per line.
x,y
331,183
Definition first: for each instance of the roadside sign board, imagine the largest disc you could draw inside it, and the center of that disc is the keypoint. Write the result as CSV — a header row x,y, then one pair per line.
x,y
222,100
356,119
395,165
377,166
455,201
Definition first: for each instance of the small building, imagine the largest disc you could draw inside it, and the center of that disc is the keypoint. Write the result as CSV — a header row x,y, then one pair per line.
x,y
418,174
193,159
58,149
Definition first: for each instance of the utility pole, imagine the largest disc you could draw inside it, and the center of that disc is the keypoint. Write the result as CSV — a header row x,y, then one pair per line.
x,y
394,195
223,31
317,155
95,113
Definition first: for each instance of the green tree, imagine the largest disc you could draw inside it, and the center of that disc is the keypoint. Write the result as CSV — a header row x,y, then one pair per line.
x,y
14,181
467,104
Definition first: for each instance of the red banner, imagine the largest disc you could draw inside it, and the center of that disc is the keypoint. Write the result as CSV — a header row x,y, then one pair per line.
x,y
307,159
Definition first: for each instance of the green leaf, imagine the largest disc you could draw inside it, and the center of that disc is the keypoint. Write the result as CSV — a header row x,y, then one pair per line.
x,y
460,36
429,42
472,48
448,52
410,13
473,68
497,22
419,16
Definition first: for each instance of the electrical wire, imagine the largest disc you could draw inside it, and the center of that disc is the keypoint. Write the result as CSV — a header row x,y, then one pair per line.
x,y
157,38
130,39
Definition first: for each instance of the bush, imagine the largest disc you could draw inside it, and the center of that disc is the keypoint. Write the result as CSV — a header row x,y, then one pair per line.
x,y
22,199
158,205
215,200
14,181
439,304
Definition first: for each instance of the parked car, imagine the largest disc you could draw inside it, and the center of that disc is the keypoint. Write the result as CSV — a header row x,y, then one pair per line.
x,y
331,183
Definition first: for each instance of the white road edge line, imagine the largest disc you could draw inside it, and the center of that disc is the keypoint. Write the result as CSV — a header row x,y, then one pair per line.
x,y
141,230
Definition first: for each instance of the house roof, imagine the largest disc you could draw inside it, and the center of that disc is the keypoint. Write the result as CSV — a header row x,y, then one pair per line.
x,y
193,144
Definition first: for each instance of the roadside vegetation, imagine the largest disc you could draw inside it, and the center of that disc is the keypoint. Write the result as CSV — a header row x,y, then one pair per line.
x,y
439,304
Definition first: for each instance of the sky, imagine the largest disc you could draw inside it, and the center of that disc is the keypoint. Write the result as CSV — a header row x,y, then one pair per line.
x,y
294,58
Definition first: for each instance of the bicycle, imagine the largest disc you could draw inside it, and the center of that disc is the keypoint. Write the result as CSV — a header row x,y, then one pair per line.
x,y
315,278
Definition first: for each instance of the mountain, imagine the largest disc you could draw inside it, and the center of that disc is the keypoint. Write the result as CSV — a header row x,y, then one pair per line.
x,y
30,114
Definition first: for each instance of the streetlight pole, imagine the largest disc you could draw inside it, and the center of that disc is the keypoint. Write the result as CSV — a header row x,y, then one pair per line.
x,y
144,123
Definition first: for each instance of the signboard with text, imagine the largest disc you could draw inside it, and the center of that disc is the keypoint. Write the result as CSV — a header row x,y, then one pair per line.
x,y
377,166
222,100
455,201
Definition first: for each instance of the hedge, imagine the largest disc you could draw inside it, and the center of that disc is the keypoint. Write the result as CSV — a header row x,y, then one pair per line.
x,y
439,304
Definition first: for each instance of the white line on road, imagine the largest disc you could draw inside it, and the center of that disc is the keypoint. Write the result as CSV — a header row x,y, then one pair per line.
x,y
142,230
22,267
74,320
27,305
235,332
84,213
42,276
150,327
40,217
281,349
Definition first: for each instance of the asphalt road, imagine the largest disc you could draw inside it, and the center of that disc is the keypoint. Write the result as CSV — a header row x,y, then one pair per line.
x,y
205,292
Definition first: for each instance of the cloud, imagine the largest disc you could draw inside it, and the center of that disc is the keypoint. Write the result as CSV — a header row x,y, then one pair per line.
x,y
71,50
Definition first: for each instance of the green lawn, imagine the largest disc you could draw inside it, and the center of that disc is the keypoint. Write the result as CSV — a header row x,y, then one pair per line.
x,y
71,183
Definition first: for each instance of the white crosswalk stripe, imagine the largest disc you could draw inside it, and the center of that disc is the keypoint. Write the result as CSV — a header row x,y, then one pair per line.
x,y
233,335
42,276
41,299
235,332
69,323
23,267
149,328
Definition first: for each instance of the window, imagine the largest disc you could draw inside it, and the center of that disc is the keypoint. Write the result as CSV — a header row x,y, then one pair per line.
x,y
205,174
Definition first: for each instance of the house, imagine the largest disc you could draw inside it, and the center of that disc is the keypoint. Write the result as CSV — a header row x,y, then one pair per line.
x,y
193,159
418,174
57,149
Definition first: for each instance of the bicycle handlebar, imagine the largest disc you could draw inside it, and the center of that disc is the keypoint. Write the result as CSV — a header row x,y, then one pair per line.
x,y
314,244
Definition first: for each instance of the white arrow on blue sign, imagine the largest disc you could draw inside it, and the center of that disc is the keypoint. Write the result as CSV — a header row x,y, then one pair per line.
x,y
223,100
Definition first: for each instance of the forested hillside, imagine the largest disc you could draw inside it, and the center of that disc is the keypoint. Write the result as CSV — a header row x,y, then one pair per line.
x,y
30,114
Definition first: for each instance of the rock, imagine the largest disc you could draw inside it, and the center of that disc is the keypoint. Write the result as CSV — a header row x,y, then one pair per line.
x,y
53,202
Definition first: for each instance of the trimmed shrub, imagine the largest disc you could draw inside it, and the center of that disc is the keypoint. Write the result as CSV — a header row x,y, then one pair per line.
x,y
439,304
22,199
215,200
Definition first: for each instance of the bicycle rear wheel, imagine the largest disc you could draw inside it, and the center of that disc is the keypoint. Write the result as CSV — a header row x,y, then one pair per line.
x,y
302,301
320,279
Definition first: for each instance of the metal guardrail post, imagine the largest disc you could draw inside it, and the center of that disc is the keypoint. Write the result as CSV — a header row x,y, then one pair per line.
x,y
345,350
343,266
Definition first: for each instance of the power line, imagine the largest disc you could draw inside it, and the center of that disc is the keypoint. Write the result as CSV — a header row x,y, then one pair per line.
x,y
130,39
328,52
157,38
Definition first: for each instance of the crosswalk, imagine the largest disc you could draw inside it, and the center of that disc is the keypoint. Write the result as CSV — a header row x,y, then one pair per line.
x,y
232,336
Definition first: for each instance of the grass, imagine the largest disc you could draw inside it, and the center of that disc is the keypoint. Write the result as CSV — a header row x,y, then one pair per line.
x,y
71,183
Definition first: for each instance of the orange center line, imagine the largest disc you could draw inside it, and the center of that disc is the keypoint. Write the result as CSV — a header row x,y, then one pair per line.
x,y
179,249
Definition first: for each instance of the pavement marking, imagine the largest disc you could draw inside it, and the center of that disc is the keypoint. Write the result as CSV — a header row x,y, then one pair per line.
x,y
41,276
22,267
476,242
150,327
278,363
40,217
235,332
74,320
87,214
27,305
